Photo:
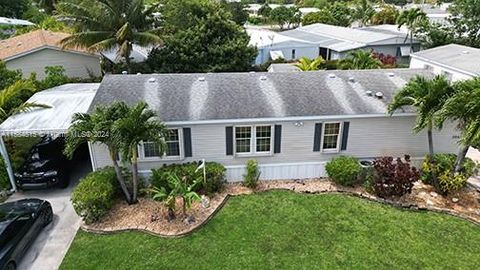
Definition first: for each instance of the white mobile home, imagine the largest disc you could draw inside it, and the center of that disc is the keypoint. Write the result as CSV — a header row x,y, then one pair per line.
x,y
292,123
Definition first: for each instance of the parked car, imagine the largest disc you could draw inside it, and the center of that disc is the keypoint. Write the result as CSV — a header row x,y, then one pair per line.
x,y
20,223
45,165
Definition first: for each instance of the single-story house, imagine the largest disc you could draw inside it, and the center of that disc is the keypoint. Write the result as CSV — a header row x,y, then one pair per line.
x,y
329,41
456,62
33,51
291,123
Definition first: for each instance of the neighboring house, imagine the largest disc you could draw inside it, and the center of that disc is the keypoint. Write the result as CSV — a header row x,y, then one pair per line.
x,y
33,51
456,62
253,9
435,13
139,54
291,123
329,41
283,67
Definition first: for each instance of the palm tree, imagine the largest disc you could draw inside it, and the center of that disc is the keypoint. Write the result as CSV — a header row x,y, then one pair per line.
x,y
464,108
307,64
360,59
12,97
138,125
412,18
427,97
363,12
110,24
98,128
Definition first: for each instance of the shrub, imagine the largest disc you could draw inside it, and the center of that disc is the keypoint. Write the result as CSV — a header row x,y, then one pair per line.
x,y
250,179
344,170
93,197
393,178
443,167
4,180
214,182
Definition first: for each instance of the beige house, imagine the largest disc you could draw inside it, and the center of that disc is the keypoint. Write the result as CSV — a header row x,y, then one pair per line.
x,y
34,51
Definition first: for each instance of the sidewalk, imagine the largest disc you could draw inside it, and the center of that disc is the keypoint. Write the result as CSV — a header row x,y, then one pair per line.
x,y
475,155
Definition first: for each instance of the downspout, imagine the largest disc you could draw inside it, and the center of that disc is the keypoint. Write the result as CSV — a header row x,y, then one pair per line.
x,y
8,164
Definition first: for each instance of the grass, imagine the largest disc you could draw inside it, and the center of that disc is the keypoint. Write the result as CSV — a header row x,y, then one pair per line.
x,y
285,230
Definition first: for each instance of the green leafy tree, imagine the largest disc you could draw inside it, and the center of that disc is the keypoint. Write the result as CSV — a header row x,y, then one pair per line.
x,y
208,42
433,35
360,59
307,64
411,18
265,10
337,14
110,24
386,15
47,5
465,22
176,188
7,76
12,99
237,9
464,108
97,127
14,8
55,76
283,15
363,12
138,124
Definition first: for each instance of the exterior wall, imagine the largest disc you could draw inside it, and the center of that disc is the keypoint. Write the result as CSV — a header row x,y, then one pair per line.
x,y
368,138
438,69
76,65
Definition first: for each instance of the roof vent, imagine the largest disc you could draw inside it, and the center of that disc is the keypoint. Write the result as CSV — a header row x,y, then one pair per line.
x,y
351,79
369,93
379,95
124,72
465,52
263,78
391,74
201,79
251,72
152,80
331,75
139,73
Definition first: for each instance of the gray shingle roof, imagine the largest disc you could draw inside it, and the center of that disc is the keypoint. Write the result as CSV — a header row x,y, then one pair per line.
x,y
456,56
216,96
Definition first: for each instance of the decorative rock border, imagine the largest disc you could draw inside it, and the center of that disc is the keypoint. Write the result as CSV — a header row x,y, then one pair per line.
x,y
362,195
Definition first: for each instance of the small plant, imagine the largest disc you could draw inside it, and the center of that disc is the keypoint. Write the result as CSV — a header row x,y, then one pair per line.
x,y
443,166
250,179
177,187
344,170
93,197
393,177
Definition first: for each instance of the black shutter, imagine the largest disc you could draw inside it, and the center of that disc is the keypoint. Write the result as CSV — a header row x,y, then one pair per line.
x,y
229,140
187,142
277,143
346,127
317,137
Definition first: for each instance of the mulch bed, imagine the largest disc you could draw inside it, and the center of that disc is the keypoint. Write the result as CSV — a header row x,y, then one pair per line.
x,y
151,216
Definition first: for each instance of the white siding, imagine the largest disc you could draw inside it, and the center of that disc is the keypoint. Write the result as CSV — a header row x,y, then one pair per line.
x,y
368,138
76,65
438,69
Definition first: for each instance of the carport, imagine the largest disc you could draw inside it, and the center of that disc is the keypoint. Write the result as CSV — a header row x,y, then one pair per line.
x,y
64,101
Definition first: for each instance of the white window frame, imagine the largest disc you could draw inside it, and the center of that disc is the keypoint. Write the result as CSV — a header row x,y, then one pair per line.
x,y
141,150
253,141
339,138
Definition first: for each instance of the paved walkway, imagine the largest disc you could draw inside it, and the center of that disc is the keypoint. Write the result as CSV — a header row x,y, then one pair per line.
x,y
475,155
51,245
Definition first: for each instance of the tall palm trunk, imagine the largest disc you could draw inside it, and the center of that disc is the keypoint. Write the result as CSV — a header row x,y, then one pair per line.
x,y
462,153
120,179
430,139
135,173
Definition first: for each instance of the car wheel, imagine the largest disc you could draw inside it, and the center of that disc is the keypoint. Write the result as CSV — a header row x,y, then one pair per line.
x,y
10,266
46,216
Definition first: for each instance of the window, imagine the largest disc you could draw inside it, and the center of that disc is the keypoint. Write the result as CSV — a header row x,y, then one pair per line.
x,y
172,144
293,54
331,136
253,139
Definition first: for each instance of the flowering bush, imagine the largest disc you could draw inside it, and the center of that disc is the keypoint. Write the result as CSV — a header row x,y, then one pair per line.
x,y
393,177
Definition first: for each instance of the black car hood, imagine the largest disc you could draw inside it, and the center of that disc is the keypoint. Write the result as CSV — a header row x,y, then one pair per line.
x,y
37,166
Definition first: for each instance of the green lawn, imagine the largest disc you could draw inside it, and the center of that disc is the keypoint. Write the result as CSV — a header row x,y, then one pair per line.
x,y
285,230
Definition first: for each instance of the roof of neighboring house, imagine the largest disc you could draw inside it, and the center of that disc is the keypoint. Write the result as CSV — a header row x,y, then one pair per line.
x,y
9,21
234,96
463,58
283,67
31,42
262,38
139,54
65,101
387,29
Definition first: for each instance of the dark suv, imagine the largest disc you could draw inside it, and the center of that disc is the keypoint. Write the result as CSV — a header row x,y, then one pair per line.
x,y
45,165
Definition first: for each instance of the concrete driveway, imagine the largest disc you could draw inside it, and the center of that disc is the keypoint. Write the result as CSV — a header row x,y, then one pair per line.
x,y
51,245
475,155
